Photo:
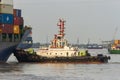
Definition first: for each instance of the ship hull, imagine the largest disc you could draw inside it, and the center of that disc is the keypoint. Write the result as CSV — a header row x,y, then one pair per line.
x,y
94,46
23,56
6,49
114,51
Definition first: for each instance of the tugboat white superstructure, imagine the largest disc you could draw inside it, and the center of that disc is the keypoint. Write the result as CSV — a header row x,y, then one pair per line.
x,y
59,45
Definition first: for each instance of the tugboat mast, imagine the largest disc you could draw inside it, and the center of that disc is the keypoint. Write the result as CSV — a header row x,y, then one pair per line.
x,y
59,41
61,27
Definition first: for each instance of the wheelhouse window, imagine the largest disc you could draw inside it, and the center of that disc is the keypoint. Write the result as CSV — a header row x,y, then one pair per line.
x,y
67,53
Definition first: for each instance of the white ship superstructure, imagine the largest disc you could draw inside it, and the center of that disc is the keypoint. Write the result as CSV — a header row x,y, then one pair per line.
x,y
59,45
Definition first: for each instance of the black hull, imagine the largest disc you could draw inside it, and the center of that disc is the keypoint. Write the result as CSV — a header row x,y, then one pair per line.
x,y
23,56
6,49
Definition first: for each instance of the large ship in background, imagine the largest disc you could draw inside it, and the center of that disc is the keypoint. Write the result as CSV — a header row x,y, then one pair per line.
x,y
114,47
94,46
11,28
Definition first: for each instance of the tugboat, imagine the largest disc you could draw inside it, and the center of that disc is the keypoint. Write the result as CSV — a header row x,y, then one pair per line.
x,y
114,47
57,51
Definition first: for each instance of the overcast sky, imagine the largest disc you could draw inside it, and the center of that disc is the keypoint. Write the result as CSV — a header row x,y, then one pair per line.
x,y
96,20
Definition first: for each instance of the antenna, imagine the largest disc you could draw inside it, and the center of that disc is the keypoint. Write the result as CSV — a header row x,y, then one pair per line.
x,y
88,41
77,41
115,33
61,27
47,41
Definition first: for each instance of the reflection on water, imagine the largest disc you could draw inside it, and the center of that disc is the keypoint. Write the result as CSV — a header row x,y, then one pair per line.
x,y
62,71
9,67
37,71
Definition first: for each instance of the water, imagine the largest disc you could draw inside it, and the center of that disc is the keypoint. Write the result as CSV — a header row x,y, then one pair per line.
x,y
61,71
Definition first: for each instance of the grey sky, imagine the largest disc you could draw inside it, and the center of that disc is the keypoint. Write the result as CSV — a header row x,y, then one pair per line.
x,y
93,19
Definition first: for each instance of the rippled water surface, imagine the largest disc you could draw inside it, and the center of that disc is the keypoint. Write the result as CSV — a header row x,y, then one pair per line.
x,y
62,71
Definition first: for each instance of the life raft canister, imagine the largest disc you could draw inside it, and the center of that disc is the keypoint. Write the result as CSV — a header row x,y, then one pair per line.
x,y
82,53
30,50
